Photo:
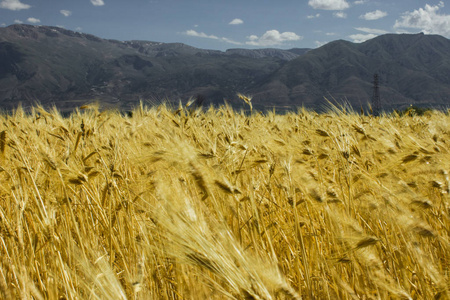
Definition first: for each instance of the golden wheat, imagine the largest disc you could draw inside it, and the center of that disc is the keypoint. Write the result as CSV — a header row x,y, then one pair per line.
x,y
216,204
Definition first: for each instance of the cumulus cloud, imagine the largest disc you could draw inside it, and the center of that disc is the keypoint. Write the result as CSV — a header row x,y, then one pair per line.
x,y
329,4
313,16
200,34
97,2
272,38
18,21
340,14
360,37
236,22
13,5
359,2
204,35
319,44
427,20
65,12
230,41
373,15
371,30
33,20
369,33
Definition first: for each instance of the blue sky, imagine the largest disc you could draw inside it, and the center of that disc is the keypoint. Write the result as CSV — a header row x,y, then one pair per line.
x,y
214,24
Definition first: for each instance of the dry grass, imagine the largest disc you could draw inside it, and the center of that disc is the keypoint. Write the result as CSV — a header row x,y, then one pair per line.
x,y
185,204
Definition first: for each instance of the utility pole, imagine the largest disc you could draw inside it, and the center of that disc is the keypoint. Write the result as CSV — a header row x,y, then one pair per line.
x,y
376,102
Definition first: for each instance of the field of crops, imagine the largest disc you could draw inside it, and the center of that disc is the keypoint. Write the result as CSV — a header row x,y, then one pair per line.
x,y
186,203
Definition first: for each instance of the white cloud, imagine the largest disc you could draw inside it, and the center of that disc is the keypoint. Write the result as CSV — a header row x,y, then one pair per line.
x,y
313,16
359,37
329,4
330,33
97,2
3,24
427,20
369,33
236,22
360,2
18,21
79,29
204,35
272,38
13,5
200,34
65,12
319,44
401,31
340,14
373,15
33,20
371,30
230,41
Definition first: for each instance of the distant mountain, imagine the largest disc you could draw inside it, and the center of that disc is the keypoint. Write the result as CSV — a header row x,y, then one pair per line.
x,y
413,69
52,65
270,52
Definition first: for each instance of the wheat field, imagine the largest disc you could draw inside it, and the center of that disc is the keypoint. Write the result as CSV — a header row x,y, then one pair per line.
x,y
186,203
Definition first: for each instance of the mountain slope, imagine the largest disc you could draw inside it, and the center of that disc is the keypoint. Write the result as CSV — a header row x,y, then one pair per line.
x,y
412,69
56,66
269,52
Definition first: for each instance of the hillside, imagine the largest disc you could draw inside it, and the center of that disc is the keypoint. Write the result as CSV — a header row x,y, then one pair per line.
x,y
57,66
54,65
413,69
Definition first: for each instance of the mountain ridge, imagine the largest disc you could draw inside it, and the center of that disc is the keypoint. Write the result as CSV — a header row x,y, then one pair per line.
x,y
413,69
53,65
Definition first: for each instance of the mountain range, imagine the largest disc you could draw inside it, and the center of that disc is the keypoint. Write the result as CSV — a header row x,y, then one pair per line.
x,y
52,65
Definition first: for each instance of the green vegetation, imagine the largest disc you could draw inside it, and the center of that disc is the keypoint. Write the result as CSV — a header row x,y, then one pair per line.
x,y
413,110
192,204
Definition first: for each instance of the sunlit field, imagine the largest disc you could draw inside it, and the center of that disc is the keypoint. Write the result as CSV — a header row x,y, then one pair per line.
x,y
191,203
